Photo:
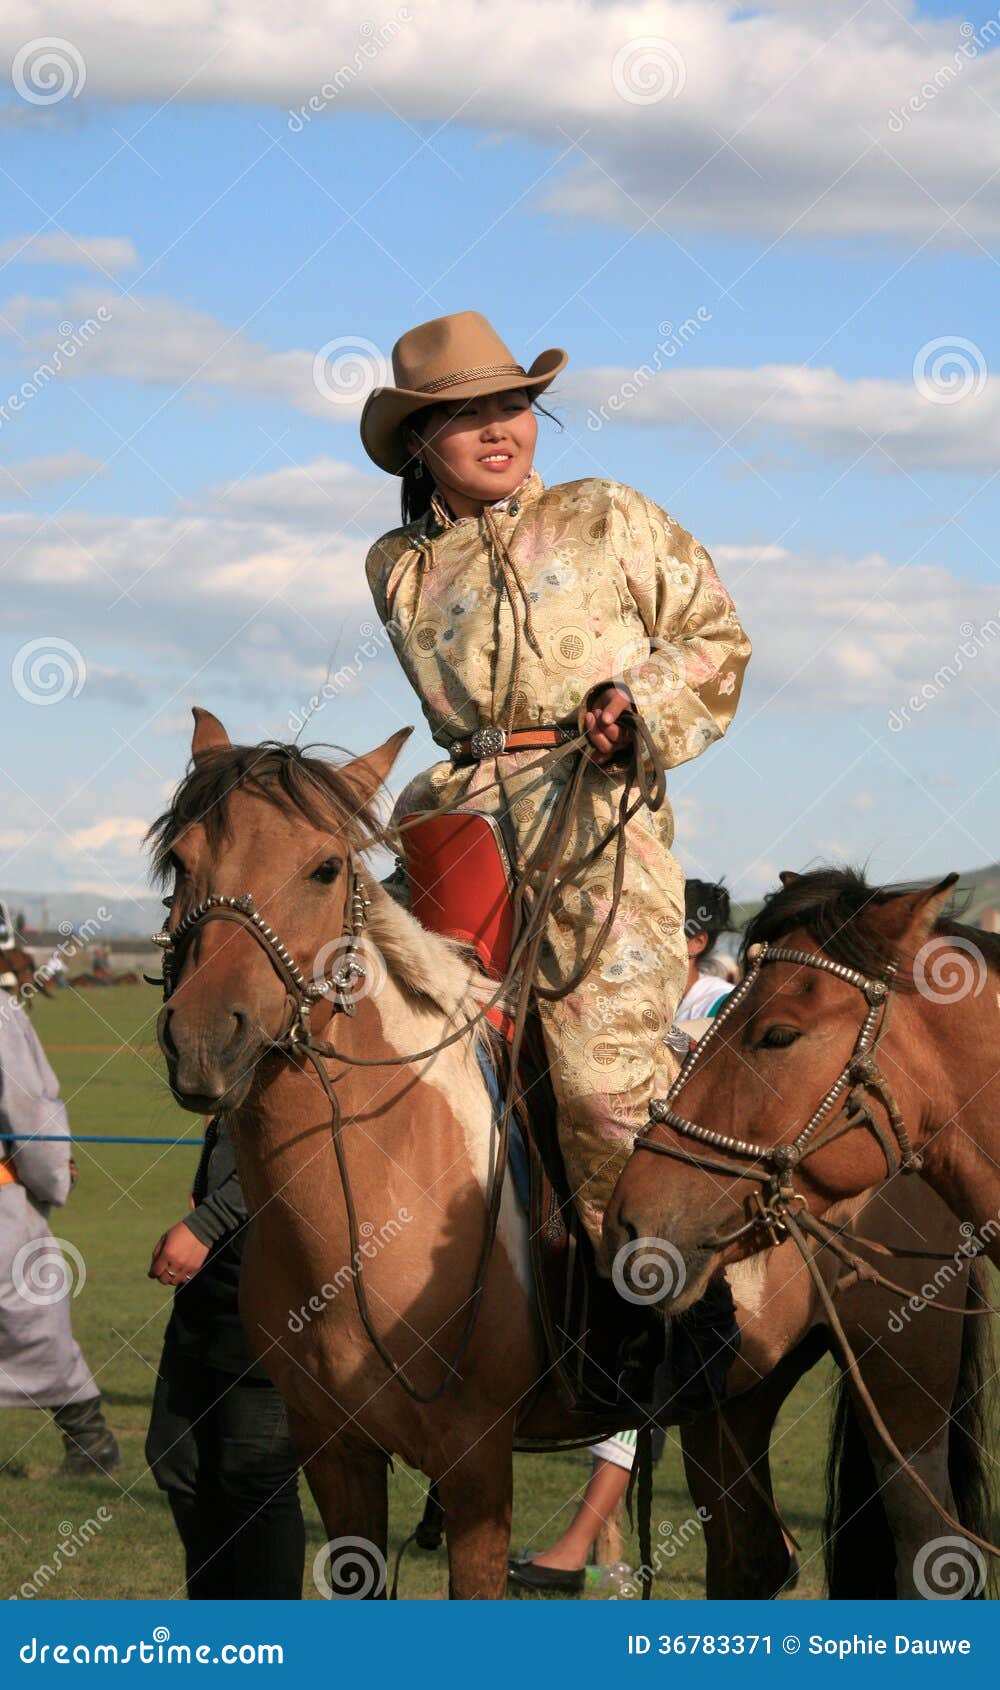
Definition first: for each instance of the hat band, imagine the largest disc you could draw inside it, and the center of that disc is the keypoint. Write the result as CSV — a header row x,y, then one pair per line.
x,y
471,375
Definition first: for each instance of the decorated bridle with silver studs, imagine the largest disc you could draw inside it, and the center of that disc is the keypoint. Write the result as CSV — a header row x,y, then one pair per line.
x,y
339,988
776,1164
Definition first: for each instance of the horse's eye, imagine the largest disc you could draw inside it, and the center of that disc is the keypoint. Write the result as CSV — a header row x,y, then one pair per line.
x,y
778,1038
327,872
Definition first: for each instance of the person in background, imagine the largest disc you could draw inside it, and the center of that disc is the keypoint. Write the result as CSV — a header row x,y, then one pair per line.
x,y
218,1441
563,1568
706,915
41,1364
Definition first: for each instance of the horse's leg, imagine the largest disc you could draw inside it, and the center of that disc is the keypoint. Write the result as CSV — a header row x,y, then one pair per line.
x,y
746,1555
477,1494
349,1482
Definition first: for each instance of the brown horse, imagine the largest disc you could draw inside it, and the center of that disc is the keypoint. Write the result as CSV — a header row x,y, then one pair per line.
x,y
786,1100
20,978
269,841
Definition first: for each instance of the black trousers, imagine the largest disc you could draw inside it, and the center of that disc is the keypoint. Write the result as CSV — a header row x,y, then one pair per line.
x,y
220,1448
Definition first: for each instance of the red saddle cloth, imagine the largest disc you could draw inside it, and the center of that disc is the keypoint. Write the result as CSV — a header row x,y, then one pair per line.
x,y
461,882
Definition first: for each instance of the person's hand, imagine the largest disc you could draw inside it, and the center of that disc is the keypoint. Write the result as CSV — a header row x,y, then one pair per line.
x,y
177,1257
607,735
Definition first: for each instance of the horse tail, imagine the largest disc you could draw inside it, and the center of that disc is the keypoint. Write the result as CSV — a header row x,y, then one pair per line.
x,y
971,1414
858,1548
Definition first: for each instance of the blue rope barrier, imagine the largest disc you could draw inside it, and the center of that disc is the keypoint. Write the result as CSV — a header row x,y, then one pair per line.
x,y
90,1138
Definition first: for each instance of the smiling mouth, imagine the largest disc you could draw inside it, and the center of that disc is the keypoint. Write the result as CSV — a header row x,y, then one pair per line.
x,y
497,458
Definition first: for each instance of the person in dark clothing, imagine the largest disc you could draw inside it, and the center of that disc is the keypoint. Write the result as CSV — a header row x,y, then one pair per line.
x,y
218,1441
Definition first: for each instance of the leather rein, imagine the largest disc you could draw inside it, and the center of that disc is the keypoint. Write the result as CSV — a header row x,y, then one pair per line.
x,y
777,1210
297,1038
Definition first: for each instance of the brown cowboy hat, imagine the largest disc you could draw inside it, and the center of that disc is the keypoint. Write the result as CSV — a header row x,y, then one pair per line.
x,y
448,358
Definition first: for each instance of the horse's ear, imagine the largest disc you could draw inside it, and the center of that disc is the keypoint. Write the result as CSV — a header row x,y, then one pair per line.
x,y
209,734
911,916
366,774
788,876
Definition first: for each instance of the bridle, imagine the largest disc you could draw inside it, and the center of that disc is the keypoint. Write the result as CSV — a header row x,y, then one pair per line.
x,y
340,987
774,1165
777,1210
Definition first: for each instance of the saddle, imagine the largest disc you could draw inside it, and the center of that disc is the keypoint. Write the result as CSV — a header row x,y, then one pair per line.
x,y
602,1352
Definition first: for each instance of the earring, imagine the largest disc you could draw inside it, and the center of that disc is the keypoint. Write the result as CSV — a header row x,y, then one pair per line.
x,y
419,467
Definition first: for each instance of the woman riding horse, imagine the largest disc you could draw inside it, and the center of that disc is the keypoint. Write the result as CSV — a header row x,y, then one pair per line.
x,y
523,615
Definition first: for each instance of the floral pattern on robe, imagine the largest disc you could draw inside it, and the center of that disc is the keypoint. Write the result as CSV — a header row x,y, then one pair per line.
x,y
619,592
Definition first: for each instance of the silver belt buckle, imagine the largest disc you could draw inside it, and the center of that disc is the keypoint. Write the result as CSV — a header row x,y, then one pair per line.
x,y
487,742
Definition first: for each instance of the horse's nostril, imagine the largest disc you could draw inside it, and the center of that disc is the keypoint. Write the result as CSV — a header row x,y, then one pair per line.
x,y
629,1231
166,1036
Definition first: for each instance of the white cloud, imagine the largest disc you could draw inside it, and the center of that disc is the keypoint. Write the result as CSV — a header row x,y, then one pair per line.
x,y
949,418
325,492
860,632
111,253
18,478
263,604
945,415
124,833
158,341
782,118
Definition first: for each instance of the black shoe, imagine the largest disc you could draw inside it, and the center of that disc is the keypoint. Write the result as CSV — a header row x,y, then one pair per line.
x,y
565,1581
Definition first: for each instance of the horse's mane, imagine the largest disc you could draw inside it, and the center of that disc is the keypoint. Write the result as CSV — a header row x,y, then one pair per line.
x,y
425,965
834,906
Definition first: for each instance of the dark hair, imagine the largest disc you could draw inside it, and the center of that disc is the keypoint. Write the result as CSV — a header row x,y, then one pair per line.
x,y
834,905
416,490
706,910
280,774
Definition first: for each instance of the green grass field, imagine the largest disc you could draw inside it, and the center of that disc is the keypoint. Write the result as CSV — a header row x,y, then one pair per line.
x,y
102,1045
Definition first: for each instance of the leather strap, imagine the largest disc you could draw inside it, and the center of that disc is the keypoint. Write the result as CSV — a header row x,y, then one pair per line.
x,y
495,742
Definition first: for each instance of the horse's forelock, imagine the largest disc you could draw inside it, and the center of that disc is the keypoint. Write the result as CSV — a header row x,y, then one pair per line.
x,y
281,775
835,906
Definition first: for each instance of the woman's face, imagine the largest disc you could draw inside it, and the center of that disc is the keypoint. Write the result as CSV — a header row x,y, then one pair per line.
x,y
477,450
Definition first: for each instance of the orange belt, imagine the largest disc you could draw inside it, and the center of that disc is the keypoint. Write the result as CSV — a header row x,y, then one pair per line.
x,y
8,1175
496,742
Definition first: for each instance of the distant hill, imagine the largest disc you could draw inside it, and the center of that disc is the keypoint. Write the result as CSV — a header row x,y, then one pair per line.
x,y
139,917
977,891
47,911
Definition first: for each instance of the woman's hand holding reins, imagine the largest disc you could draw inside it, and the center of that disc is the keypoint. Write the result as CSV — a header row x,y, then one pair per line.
x,y
607,735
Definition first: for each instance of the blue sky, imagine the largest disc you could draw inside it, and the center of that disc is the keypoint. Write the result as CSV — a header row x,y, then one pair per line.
x,y
186,515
